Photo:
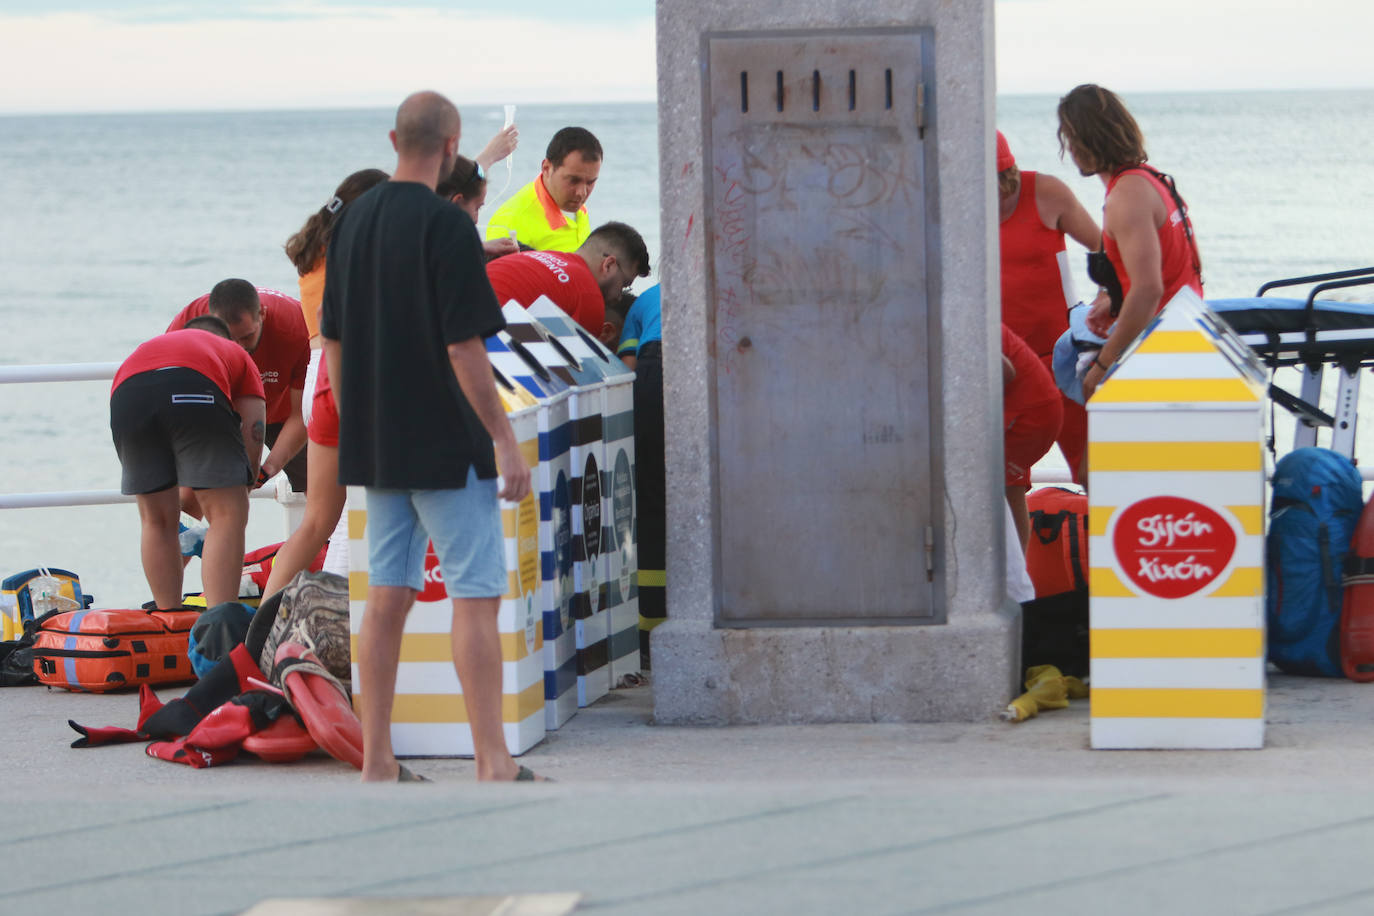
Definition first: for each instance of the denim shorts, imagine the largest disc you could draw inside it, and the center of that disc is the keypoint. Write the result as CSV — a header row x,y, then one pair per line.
x,y
463,523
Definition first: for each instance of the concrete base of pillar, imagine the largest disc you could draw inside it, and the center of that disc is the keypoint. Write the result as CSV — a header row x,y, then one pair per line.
x,y
957,672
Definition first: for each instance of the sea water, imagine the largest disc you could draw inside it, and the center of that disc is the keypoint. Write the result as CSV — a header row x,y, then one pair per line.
x,y
111,223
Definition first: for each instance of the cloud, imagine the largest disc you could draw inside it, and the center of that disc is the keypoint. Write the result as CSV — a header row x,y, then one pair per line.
x,y
350,57
1172,45
107,55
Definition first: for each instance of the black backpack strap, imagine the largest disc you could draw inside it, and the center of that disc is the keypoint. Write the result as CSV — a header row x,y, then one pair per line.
x,y
1332,581
1357,570
1047,525
1079,579
1172,188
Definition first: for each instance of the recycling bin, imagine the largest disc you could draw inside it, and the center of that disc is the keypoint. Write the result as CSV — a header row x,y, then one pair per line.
x,y
1176,539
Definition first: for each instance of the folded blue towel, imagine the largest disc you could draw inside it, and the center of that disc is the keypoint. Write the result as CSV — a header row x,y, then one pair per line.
x,y
1071,344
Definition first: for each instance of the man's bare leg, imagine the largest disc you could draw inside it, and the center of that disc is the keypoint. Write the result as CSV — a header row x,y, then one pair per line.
x,y
221,561
158,515
379,653
477,657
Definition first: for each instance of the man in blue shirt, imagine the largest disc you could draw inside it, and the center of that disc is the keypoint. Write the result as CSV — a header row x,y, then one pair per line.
x,y
641,348
643,325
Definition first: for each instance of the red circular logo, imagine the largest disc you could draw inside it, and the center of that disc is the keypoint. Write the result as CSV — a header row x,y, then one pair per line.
x,y
1171,547
434,578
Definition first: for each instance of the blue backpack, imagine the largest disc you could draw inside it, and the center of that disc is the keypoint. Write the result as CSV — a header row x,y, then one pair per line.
x,y
1316,503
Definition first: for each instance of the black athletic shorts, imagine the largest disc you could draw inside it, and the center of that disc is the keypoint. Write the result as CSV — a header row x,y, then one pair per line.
x,y
174,426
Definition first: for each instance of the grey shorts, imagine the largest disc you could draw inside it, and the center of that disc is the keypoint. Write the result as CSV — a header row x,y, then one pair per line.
x,y
175,427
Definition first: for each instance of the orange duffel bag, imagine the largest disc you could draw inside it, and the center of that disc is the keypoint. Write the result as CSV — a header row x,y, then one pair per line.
x,y
98,650
1057,555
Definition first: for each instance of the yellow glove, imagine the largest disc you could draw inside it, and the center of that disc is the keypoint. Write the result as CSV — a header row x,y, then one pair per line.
x,y
1045,689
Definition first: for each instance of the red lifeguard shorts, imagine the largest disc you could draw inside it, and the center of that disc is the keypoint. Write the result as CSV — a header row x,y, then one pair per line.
x,y
324,420
1027,436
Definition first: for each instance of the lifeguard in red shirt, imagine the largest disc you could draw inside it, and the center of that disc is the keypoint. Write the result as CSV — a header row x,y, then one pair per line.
x,y
1031,414
186,409
269,325
1149,251
1036,211
581,283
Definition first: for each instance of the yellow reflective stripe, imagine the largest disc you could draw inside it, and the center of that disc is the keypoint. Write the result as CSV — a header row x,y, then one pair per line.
x,y
1177,342
1177,643
653,578
440,708
1244,582
357,586
1173,390
1098,517
1251,518
1104,583
438,647
1175,456
1176,703
357,523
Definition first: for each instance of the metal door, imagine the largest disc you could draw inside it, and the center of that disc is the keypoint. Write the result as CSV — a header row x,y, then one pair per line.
x,y
817,145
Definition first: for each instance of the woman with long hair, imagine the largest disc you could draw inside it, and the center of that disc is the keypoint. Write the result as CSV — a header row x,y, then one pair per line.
x,y
307,246
324,501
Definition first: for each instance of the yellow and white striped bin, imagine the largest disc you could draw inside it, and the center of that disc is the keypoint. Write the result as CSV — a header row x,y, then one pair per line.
x,y
428,718
1176,516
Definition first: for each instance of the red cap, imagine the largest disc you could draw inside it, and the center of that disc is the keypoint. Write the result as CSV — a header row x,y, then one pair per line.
x,y
1005,159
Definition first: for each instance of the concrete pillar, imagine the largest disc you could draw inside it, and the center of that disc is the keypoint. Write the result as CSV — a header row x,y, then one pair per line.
x,y
941,645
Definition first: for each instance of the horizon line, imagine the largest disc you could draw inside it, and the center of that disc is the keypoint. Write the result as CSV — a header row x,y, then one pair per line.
x,y
300,108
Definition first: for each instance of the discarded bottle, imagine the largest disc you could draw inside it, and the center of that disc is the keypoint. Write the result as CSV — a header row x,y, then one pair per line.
x,y
45,594
192,539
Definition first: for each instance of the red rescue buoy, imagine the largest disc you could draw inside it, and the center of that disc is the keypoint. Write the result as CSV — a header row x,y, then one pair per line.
x,y
1357,612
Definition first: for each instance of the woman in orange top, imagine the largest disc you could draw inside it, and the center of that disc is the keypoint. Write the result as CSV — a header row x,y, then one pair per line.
x,y
324,499
306,248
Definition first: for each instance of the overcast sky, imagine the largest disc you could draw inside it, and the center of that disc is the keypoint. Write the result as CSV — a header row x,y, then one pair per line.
x,y
104,55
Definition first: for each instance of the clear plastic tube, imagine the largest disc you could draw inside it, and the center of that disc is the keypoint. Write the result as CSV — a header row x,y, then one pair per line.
x,y
510,160
510,172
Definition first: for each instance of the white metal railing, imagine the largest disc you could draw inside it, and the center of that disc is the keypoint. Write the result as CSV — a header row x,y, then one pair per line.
x,y
277,488
59,372
58,498
91,372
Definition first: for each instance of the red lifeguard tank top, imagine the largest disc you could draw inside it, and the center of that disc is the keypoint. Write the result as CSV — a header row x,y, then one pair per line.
x,y
1176,254
1033,385
1034,300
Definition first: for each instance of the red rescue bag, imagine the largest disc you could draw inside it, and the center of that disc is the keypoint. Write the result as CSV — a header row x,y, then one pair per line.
x,y
257,568
1357,611
1057,554
99,650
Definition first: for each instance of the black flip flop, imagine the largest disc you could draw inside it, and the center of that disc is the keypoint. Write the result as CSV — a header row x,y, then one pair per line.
x,y
405,775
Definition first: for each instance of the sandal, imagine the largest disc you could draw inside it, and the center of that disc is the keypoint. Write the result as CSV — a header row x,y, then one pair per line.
x,y
525,774
404,774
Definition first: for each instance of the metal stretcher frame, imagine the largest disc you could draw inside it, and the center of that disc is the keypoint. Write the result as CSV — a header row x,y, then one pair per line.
x,y
1348,346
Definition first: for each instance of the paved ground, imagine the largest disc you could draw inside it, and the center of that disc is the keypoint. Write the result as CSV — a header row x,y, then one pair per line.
x,y
889,819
